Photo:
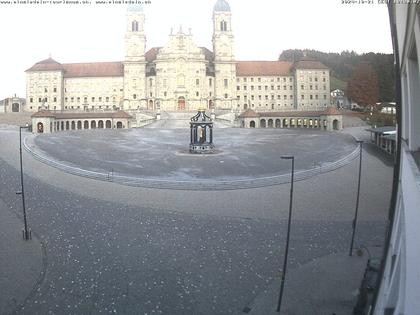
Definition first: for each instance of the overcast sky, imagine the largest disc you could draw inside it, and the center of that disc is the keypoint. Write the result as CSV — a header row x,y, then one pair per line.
x,y
262,29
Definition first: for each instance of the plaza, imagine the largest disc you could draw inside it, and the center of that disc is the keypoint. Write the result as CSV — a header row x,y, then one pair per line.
x,y
100,246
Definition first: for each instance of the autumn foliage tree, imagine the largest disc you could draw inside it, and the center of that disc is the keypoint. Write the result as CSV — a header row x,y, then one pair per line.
x,y
363,85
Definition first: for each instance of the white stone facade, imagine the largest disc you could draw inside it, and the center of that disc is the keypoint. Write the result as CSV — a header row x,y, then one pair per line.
x,y
178,76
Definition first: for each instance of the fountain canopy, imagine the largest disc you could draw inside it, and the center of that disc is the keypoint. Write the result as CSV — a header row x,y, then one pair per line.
x,y
201,130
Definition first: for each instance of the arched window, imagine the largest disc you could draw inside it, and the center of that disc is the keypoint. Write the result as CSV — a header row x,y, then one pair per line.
x,y
134,26
223,26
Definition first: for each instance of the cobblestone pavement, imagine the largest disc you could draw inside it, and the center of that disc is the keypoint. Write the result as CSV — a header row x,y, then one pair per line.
x,y
130,250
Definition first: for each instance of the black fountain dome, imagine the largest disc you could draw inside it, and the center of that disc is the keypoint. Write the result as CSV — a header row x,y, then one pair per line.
x,y
201,129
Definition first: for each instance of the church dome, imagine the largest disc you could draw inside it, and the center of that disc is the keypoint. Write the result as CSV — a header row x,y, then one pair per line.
x,y
135,8
221,5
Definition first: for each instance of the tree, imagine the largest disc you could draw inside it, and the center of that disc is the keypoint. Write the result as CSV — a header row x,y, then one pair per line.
x,y
363,85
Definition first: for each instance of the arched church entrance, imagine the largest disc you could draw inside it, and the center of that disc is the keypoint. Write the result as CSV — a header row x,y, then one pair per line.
x,y
181,103
15,107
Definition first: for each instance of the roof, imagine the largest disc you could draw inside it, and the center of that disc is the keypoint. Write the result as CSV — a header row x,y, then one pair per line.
x,y
94,69
86,69
46,65
151,54
221,5
81,115
382,130
263,68
332,111
249,113
310,64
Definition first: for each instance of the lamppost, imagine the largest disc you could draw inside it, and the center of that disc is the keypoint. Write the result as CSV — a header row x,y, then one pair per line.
x,y
286,251
357,198
25,233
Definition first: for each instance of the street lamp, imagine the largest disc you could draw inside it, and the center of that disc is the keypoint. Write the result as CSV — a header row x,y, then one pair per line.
x,y
286,251
25,233
357,198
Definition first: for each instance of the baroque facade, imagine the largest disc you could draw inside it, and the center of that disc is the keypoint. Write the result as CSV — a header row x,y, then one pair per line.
x,y
179,76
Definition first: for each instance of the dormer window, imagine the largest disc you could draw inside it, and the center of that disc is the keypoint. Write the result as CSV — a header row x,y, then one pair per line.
x,y
134,26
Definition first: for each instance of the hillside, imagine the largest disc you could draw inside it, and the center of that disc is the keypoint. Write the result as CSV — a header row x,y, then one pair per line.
x,y
343,64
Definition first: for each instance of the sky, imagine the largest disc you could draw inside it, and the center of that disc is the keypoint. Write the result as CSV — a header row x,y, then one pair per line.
x,y
263,29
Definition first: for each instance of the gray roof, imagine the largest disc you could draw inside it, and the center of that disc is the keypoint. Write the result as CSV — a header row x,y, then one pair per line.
x,y
381,130
221,5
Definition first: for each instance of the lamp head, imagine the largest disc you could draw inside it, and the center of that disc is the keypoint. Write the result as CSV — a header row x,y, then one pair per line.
x,y
287,157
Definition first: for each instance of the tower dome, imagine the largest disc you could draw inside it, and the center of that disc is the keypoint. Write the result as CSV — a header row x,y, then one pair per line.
x,y
135,8
221,5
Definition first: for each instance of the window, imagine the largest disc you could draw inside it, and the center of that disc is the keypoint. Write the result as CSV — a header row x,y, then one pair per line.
x,y
45,90
325,97
210,82
252,88
325,87
316,96
285,97
244,87
31,100
302,87
302,96
259,87
259,97
134,26
244,79
310,96
72,99
238,88
272,88
266,97
252,97
284,87
266,87
55,99
165,94
323,79
278,79
290,87
278,96
259,79
197,94
134,96
65,99
225,83
278,87
78,99
226,96
55,89
291,97
150,82
113,99
316,79
100,99
107,99
223,26
93,98
197,82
